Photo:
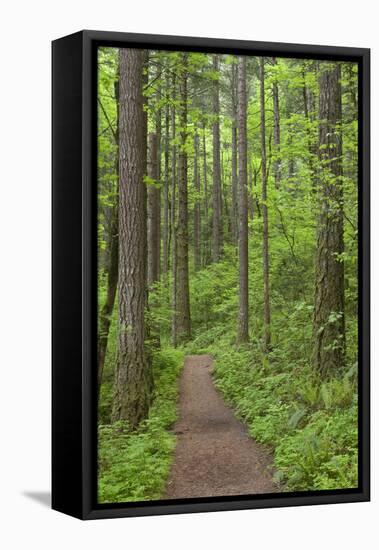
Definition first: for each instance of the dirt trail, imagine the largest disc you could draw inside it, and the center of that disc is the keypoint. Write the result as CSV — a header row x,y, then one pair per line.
x,y
214,454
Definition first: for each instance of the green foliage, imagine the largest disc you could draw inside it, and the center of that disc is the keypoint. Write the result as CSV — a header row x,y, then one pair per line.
x,y
311,426
133,466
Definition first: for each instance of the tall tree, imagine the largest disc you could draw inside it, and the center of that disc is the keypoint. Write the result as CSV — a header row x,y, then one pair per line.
x,y
183,321
217,193
205,231
276,109
243,318
266,260
166,198
158,131
328,319
234,209
173,219
197,211
106,311
133,380
152,211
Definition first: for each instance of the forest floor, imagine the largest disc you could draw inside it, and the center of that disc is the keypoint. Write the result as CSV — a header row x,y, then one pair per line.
x,y
214,455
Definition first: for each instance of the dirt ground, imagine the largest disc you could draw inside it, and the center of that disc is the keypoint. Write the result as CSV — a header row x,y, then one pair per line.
x,y
214,455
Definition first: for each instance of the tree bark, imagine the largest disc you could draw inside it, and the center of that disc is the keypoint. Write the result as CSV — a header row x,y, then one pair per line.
x,y
173,221
166,199
105,315
328,319
266,261
206,223
217,195
243,318
158,131
152,212
133,380
234,157
275,100
183,322
312,147
197,212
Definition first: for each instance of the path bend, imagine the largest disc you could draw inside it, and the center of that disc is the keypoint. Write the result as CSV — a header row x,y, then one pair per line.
x,y
214,456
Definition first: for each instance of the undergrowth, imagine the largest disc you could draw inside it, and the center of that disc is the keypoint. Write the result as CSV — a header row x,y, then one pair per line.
x,y
310,425
133,466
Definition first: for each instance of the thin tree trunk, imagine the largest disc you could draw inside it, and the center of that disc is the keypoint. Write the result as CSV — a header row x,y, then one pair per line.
x,y
183,303
166,199
206,255
158,130
243,318
133,380
307,102
217,195
197,213
266,261
152,212
234,157
328,319
173,222
105,315
275,100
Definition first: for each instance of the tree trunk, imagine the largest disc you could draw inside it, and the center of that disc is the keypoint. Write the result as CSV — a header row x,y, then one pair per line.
x,y
234,208
217,196
105,315
266,261
152,212
166,199
133,381
312,147
243,318
197,213
182,301
328,319
158,130
173,221
206,232
275,100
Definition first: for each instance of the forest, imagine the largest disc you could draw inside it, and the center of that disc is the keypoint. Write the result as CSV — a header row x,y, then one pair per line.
x,y
227,229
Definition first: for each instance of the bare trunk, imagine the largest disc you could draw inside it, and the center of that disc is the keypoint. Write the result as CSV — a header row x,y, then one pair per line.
x,y
133,380
243,318
173,222
328,319
105,315
234,209
152,212
266,261
217,195
206,233
275,101
166,199
182,299
197,212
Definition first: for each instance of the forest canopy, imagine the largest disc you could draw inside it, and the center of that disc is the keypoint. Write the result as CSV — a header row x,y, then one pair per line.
x,y
227,224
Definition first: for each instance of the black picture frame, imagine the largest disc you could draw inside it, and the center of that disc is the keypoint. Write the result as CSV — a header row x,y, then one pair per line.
x,y
74,466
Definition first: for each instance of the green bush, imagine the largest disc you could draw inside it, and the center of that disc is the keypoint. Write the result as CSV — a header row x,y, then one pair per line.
x,y
310,426
134,466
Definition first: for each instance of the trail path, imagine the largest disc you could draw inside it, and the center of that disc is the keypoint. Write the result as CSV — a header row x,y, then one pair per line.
x,y
214,455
